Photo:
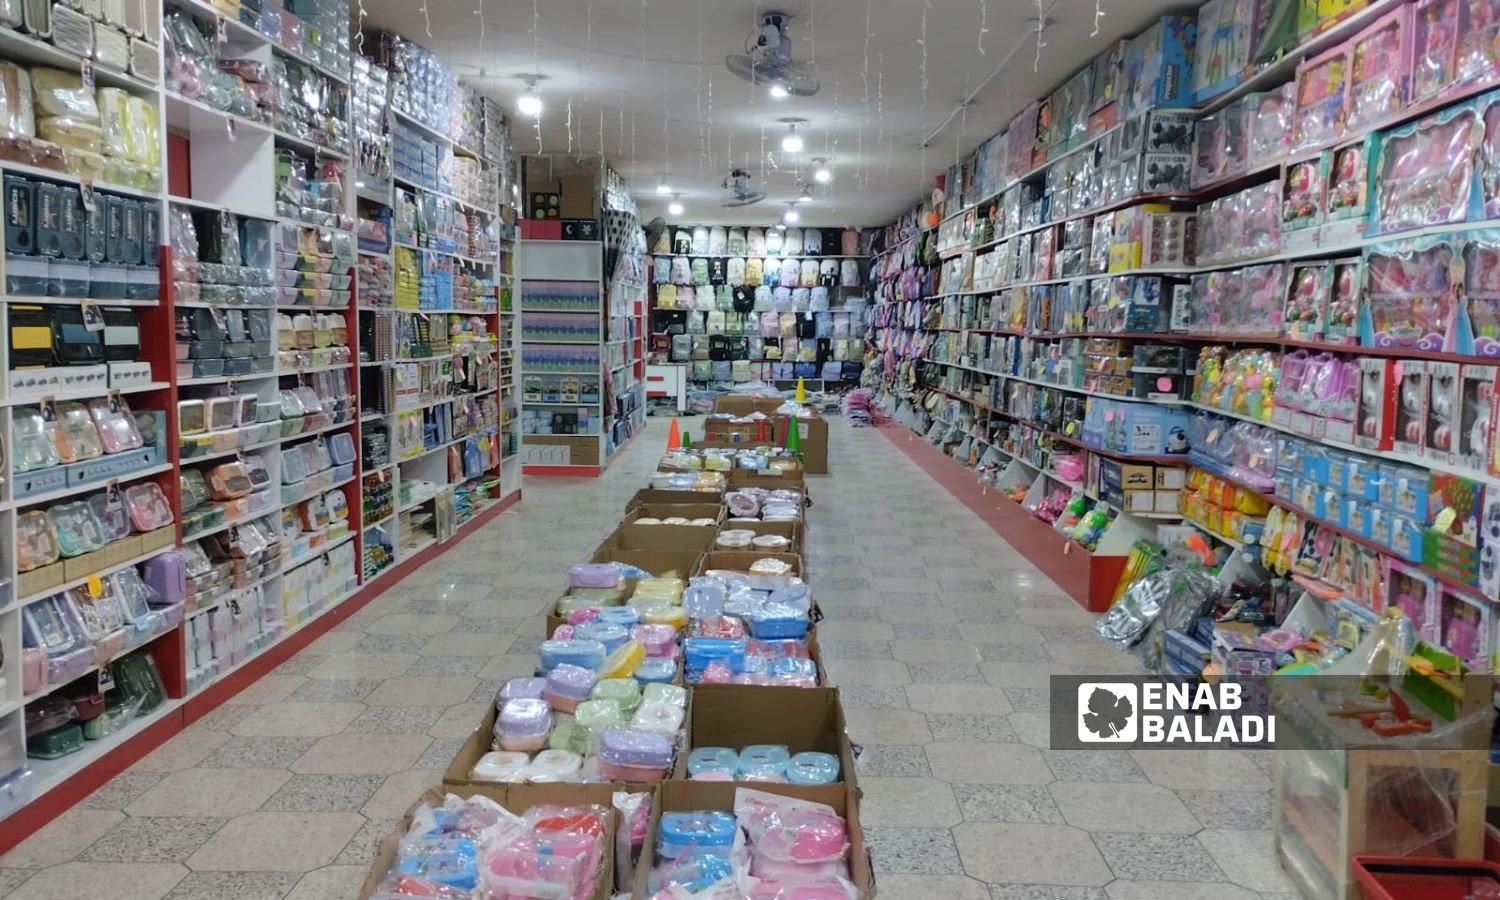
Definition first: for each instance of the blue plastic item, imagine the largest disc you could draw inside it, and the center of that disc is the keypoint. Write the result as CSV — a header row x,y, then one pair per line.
x,y
812,767
713,759
576,652
778,622
704,829
623,616
698,652
611,636
656,670
763,762
449,859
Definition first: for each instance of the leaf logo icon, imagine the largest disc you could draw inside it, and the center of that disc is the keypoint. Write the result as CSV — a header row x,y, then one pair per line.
x,y
1108,714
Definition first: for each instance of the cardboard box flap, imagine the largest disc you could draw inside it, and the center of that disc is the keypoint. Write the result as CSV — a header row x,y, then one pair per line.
x,y
738,715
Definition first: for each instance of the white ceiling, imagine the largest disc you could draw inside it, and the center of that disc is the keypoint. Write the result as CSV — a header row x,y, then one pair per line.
x,y
693,119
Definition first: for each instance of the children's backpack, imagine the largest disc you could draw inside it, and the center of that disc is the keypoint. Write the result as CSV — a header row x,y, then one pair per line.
x,y
715,322
819,299
807,328
791,272
840,324
661,269
700,271
682,244
734,323
739,370
753,270
812,241
736,242
682,270
781,299
738,348
770,325
686,297
663,242
850,241
849,276
824,325
722,370
703,370
801,297
716,270
755,345
755,242
700,346
788,323
666,296
809,273
703,298
743,299
682,347
724,297
700,240
736,270
828,272
764,299
791,242
775,240
718,241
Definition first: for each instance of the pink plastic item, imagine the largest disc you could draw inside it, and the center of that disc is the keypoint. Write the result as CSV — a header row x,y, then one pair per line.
x,y
658,640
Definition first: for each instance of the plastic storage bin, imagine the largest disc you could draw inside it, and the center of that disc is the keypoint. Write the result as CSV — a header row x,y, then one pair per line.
x,y
523,724
634,756
568,685
715,760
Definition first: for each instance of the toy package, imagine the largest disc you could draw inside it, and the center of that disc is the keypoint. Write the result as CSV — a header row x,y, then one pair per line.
x,y
1223,46
1270,123
1345,174
1409,296
1341,325
1489,545
1424,171
1377,403
1322,98
1475,407
1275,30
1443,388
1378,77
1478,329
1465,628
1478,39
1307,300
1158,65
1435,43
1302,195
1411,406
1416,595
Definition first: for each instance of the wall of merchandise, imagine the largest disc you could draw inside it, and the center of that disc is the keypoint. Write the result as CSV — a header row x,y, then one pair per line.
x,y
1251,288
773,304
260,352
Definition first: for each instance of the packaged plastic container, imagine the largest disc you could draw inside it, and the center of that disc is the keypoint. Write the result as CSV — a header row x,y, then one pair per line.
x,y
622,661
554,765
698,653
594,575
658,640
586,654
611,636
722,760
663,590
635,756
626,692
528,688
656,671
735,539
624,616
812,767
674,616
523,724
670,694
763,762
568,685
594,717
775,621
661,718
712,831
501,765
450,859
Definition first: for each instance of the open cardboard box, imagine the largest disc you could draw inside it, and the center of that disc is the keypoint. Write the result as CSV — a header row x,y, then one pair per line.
x,y
738,715
630,536
721,433
710,510
654,496
456,776
741,560
792,531
770,479
690,796
517,798
744,404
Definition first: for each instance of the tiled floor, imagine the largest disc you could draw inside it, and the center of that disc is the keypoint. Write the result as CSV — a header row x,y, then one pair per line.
x,y
939,634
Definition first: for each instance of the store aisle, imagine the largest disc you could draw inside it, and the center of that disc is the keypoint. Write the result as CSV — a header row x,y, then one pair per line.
x,y
939,634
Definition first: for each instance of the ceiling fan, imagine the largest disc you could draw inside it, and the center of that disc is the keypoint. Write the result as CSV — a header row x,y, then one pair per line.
x,y
767,59
738,192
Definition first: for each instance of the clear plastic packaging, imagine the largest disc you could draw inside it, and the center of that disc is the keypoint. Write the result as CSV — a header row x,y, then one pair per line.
x,y
523,724
622,661
585,654
568,685
634,756
812,767
624,692
661,718
501,765
611,636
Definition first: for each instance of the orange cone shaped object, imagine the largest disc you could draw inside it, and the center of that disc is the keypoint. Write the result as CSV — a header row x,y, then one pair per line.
x,y
674,438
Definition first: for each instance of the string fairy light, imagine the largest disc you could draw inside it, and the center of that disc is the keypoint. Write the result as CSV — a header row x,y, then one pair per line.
x,y
426,19
1098,14
1036,65
922,41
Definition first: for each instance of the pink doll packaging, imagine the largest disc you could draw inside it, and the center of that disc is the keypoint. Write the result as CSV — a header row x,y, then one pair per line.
x,y
1475,410
1307,300
1416,595
1411,407
1341,324
1444,389
1302,195
1475,58
1380,67
1478,329
1489,545
1435,46
1424,172
1322,99
1270,124
1345,177
1465,628
1409,296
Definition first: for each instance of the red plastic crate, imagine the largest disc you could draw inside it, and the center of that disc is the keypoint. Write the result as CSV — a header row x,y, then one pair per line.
x,y
1411,878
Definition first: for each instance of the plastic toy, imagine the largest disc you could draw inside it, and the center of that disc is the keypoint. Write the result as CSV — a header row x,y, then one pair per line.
x,y
1436,43
1411,409
1424,171
1416,595
1307,301
1322,98
1478,31
1377,403
1409,296
1380,69
1302,194
1443,397
1475,410
1479,322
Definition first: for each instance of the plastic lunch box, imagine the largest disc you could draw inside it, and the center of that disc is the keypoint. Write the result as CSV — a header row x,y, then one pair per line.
x,y
635,756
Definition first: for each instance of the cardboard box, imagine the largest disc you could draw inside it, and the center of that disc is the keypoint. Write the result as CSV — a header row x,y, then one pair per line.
x,y
1167,501
672,510
770,479
792,531
1170,478
658,496
740,560
687,796
812,435
657,562
1138,501
517,798
738,715
739,434
744,404
630,536
578,197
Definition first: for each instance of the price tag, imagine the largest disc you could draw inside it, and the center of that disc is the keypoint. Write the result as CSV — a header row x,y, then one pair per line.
x,y
86,193
94,585
221,30
106,678
93,316
86,72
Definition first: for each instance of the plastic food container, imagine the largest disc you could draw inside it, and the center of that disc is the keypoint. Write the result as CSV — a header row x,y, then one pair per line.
x,y
568,736
779,622
812,767
658,640
523,725
663,590
553,766
624,616
679,831
636,756
611,636
655,671
586,654
735,539
723,760
501,765
569,685
623,661
594,575
594,717
698,653
718,627
662,718
704,598
763,762
626,692
674,616
585,597
521,688
773,542
670,694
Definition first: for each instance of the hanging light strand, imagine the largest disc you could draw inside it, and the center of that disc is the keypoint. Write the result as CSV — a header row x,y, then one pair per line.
x,y
426,19
984,16
1098,14
480,13
1041,22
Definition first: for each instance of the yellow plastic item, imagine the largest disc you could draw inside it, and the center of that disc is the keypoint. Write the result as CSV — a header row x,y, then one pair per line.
x,y
142,124
623,662
675,616
662,590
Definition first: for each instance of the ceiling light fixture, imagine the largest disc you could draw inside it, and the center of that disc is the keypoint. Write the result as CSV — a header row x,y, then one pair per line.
x,y
791,142
806,195
779,91
821,173
530,102
792,216
662,187
675,207
781,226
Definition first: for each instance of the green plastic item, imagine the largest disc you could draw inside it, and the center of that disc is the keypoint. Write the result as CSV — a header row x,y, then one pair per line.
x,y
670,694
626,692
136,680
57,743
568,736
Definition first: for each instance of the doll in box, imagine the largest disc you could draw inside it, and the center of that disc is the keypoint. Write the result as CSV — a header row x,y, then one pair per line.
x,y
1307,301
1478,39
1489,546
1411,408
1466,629
1415,594
1442,409
1341,323
1476,401
1425,170
1378,74
1436,23
1346,182
1479,326
1376,410
1302,194
1409,299
1322,94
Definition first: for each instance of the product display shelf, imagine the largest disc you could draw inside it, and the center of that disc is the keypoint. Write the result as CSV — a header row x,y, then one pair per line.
x,y
223,170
